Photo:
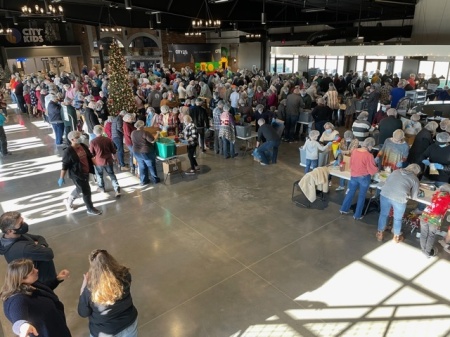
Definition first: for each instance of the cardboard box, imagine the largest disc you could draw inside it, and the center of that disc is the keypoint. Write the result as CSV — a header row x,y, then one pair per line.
x,y
152,130
185,163
172,166
181,149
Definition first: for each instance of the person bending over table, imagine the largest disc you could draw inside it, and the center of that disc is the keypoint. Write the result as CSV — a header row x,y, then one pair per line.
x,y
271,140
394,152
400,185
362,167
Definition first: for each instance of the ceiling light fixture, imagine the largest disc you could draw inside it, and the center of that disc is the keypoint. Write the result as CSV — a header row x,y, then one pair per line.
x,y
48,11
253,36
190,34
218,1
150,24
128,4
209,23
15,21
4,31
158,18
263,14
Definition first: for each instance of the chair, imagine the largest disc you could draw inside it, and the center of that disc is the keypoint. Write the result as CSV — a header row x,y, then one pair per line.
x,y
295,196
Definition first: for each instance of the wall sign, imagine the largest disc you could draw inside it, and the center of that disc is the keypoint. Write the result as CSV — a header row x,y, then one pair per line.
x,y
36,36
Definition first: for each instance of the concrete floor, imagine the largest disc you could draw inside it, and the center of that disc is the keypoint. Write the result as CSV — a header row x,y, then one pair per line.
x,y
226,253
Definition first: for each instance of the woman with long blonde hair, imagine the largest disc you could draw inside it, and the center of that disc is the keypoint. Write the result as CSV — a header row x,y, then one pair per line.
x,y
105,297
32,307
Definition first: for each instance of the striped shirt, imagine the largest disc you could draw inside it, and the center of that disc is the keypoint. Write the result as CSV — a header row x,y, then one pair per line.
x,y
361,129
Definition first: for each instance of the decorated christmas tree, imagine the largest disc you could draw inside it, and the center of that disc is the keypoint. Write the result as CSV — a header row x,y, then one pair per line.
x,y
120,92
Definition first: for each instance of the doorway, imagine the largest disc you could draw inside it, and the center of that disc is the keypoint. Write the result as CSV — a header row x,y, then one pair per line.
x,y
284,65
372,65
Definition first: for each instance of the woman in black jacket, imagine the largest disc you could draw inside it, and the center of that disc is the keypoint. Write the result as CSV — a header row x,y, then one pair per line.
x,y
106,299
77,159
32,307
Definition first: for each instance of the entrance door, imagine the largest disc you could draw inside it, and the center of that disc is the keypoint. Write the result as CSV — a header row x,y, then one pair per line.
x,y
284,65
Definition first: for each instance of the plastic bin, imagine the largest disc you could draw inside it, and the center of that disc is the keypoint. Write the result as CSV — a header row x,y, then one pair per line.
x,y
323,157
165,147
243,130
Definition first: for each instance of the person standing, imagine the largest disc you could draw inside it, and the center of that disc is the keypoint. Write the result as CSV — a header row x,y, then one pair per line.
x,y
78,161
431,219
117,138
17,243
19,95
362,167
294,104
201,121
227,132
400,185
128,128
54,112
69,116
105,297
372,101
218,149
91,119
32,307
145,154
3,139
103,150
189,133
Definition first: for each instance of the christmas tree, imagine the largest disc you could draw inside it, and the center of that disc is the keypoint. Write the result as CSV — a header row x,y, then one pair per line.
x,y
120,92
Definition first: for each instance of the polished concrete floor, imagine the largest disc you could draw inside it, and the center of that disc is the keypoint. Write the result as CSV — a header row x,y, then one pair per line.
x,y
226,253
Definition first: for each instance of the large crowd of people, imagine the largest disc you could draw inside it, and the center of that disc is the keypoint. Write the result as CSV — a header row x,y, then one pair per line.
x,y
204,110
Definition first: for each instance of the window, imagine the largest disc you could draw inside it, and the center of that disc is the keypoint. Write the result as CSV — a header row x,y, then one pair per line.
x,y
329,64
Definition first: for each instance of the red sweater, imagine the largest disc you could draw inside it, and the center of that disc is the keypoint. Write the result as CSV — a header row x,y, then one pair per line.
x,y
127,130
362,163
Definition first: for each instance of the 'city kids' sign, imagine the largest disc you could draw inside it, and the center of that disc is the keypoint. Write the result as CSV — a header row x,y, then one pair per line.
x,y
20,36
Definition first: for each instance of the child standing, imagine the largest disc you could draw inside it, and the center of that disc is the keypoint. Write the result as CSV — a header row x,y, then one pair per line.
x,y
312,147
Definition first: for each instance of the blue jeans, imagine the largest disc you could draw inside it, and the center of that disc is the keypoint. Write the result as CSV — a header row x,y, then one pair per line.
x,y
264,151
109,169
147,164
311,164
58,128
342,182
291,123
225,145
118,142
363,183
13,98
399,210
131,331
319,126
130,148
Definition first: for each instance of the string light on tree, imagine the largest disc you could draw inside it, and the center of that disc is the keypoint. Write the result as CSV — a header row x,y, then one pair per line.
x,y
120,92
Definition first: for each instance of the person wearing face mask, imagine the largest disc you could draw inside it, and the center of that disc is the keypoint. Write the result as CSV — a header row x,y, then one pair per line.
x,y
17,243
77,159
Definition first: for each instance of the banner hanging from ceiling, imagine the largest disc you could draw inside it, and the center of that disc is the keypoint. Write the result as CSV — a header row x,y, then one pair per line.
x,y
195,53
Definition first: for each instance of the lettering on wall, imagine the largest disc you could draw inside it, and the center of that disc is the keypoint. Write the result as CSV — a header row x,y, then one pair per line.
x,y
48,34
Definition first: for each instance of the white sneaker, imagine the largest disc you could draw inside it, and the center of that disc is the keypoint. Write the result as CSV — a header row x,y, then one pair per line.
x,y
340,188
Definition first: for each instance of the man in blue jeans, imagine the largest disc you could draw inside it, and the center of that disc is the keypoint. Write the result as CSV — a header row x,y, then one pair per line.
x,y
102,149
144,152
271,141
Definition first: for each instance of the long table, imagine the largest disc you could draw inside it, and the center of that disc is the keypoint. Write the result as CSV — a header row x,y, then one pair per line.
x,y
336,172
